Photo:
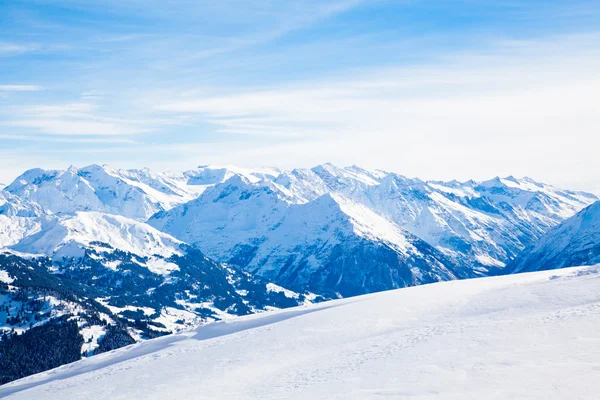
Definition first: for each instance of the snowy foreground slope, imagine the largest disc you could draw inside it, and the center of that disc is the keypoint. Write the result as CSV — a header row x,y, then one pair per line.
x,y
521,336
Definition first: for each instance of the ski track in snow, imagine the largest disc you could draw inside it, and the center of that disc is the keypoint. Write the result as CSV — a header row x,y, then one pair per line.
x,y
526,336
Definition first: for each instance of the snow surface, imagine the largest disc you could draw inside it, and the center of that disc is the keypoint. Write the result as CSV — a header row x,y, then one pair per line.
x,y
68,236
91,337
526,336
133,193
6,278
18,218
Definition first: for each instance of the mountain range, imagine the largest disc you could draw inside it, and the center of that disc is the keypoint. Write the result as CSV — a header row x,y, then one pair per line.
x,y
134,254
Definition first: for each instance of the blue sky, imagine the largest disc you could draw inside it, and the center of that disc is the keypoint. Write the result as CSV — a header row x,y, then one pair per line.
x,y
435,89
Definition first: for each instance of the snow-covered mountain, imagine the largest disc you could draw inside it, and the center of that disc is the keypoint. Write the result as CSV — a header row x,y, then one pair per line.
x,y
480,224
18,219
519,336
302,228
261,224
484,225
131,193
329,245
71,235
576,241
208,175
335,244
128,259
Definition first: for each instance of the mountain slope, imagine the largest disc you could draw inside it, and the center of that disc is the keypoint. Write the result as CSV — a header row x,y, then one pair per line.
x,y
131,193
71,235
134,267
519,336
283,229
47,319
333,244
481,225
18,219
328,245
574,242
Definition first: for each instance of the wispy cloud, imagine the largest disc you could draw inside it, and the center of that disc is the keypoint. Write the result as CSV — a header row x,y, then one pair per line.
x,y
92,95
71,119
488,108
75,127
19,88
393,99
11,49
81,119
68,139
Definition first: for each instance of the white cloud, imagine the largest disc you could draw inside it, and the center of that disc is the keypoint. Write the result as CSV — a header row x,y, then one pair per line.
x,y
72,119
71,140
523,108
11,49
92,95
75,127
19,88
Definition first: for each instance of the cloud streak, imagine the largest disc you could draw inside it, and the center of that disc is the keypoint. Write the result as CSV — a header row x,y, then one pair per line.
x,y
517,106
19,88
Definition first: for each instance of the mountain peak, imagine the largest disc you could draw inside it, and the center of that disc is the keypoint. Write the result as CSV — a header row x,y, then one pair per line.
x,y
72,170
574,242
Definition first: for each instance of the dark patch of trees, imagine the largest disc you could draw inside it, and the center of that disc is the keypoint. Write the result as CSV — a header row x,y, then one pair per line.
x,y
114,338
41,348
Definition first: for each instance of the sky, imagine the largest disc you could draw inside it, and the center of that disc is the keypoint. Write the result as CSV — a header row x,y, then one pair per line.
x,y
438,89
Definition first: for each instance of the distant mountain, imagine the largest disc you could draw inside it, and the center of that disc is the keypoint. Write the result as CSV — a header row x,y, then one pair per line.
x,y
18,218
483,225
131,193
284,228
132,264
208,175
329,245
574,242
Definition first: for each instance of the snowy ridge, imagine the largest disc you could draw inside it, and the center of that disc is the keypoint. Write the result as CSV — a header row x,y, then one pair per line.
x,y
207,175
472,222
132,193
503,337
304,243
538,198
576,241
265,224
70,236
18,219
